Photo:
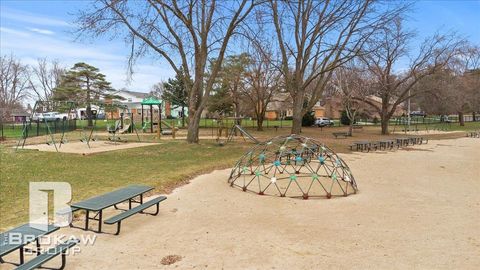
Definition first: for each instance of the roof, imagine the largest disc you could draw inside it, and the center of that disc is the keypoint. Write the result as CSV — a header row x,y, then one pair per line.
x,y
133,93
151,101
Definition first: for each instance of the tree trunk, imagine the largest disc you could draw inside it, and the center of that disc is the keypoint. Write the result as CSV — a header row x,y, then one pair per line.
x,y
193,126
460,119
474,115
297,116
88,111
183,116
350,128
384,122
259,122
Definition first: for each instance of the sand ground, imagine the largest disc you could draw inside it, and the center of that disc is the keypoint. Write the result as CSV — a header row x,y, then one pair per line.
x,y
416,209
82,148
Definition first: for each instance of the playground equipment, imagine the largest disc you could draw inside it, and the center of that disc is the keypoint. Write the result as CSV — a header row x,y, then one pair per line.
x,y
89,133
125,125
151,102
231,133
243,133
55,116
293,166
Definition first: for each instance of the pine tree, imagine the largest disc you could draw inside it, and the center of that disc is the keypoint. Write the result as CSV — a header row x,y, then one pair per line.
x,y
84,84
174,91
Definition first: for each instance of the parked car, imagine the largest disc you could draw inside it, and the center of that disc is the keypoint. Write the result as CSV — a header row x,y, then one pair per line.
x,y
323,122
418,113
49,116
445,119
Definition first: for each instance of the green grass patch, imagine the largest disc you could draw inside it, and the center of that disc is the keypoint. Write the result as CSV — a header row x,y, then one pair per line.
x,y
162,166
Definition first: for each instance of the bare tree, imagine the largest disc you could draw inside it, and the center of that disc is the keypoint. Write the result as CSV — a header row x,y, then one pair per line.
x,y
386,49
315,37
184,33
13,84
261,82
350,83
461,82
45,77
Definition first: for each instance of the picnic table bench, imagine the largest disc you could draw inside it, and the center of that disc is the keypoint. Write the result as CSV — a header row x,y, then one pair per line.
x,y
340,134
19,237
99,203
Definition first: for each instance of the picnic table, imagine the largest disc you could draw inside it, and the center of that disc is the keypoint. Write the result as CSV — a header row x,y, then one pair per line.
x,y
386,144
403,141
362,145
23,236
99,203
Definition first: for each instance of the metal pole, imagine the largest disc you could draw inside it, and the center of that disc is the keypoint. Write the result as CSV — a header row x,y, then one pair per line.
x,y
151,118
408,110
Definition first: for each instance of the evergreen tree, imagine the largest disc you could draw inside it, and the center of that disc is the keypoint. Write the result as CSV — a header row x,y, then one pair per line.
x,y
84,84
175,92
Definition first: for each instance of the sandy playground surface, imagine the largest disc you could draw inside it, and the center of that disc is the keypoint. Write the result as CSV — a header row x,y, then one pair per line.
x,y
416,209
82,148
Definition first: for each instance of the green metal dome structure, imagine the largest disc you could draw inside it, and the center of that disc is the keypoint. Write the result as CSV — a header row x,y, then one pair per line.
x,y
293,166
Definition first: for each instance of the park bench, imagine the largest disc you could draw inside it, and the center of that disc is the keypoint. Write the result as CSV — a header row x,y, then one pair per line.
x,y
358,127
48,255
340,134
128,213
99,203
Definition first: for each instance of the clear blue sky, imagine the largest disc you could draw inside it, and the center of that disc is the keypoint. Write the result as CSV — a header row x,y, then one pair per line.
x,y
36,28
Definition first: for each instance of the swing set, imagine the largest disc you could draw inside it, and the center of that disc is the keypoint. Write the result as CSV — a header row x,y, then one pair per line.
x,y
55,116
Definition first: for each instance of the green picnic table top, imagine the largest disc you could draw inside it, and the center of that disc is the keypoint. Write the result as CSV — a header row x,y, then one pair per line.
x,y
18,237
109,199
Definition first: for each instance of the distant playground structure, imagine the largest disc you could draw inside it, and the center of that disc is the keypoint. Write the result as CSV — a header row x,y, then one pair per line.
x,y
59,122
152,122
231,132
293,166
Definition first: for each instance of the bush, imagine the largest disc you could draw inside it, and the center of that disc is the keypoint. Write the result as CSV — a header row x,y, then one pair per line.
x,y
308,119
288,118
344,119
375,120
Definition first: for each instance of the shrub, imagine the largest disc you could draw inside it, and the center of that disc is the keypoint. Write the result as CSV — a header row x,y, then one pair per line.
x,y
344,119
308,119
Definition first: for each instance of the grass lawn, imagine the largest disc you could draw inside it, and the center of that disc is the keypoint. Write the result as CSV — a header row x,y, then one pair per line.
x,y
162,166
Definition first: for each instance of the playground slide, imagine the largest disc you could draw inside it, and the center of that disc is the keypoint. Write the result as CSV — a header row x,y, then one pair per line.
x,y
246,133
166,124
124,130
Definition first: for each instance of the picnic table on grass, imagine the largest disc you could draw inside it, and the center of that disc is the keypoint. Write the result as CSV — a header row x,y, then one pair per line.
x,y
21,236
99,203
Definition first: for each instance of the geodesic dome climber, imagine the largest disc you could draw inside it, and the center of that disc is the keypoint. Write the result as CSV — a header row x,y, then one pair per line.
x,y
293,166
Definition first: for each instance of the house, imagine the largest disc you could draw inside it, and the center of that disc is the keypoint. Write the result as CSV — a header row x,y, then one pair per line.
x,y
280,107
332,107
133,101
